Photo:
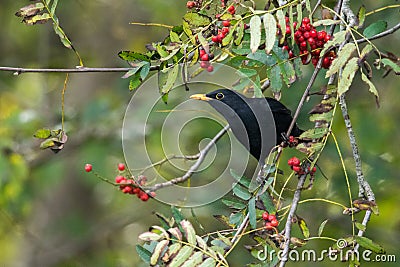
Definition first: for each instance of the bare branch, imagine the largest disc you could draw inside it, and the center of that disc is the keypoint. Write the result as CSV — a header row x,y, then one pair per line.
x,y
18,71
380,35
194,167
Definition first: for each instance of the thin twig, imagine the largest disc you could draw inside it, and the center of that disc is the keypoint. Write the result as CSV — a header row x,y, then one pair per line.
x,y
18,71
380,35
194,167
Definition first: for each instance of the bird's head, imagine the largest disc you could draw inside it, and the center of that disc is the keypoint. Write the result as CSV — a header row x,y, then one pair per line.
x,y
226,96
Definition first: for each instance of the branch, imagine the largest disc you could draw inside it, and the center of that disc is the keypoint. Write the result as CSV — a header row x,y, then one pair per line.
x,y
194,167
18,71
288,226
380,35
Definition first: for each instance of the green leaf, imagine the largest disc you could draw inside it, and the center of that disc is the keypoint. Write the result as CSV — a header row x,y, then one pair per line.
x,y
309,148
248,72
388,63
308,6
338,38
42,133
234,204
289,73
143,253
182,256
53,7
239,33
241,192
270,31
360,226
369,244
326,116
150,236
292,30
236,218
195,259
209,262
255,33
177,214
252,213
61,34
189,232
314,133
132,56
303,227
366,50
144,71
321,227
157,253
347,76
47,143
196,20
371,86
167,78
268,202
375,28
162,51
229,37
282,23
361,16
40,18
299,9
135,82
341,59
174,37
274,75
325,22
241,179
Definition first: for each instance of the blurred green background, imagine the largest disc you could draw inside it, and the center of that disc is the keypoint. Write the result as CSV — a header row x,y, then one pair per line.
x,y
54,214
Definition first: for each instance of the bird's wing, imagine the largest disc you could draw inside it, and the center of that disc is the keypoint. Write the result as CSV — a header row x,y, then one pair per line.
x,y
278,107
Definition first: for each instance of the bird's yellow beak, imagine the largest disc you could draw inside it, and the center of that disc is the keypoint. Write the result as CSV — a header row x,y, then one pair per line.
x,y
200,97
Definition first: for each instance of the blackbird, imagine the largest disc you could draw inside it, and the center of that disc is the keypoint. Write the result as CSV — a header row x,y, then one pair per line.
x,y
258,123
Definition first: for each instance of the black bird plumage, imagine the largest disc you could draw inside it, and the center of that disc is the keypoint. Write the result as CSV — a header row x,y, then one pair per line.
x,y
251,121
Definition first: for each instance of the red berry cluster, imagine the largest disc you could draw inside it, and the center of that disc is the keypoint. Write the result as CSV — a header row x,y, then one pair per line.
x,y
191,4
221,32
205,60
294,164
270,220
310,41
129,186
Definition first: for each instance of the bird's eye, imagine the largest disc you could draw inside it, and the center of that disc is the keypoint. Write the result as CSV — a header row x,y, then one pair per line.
x,y
219,96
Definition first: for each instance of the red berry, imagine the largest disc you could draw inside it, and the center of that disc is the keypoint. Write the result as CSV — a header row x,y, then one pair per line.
x,y
225,30
319,43
144,197
316,52
314,61
119,178
190,4
246,26
220,37
308,27
268,226
326,61
204,57
305,21
231,9
296,161
218,16
265,216
202,52
301,39
88,167
288,30
210,68
321,35
285,47
298,34
313,33
136,190
127,189
303,45
153,194
313,46
204,64
306,35
291,139
311,41
296,168
215,39
287,19
226,23
121,166
314,169
271,217
291,54
295,24
274,223
327,38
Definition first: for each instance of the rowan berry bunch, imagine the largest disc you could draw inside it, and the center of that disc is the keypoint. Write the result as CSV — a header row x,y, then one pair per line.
x,y
296,166
310,43
270,220
127,185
